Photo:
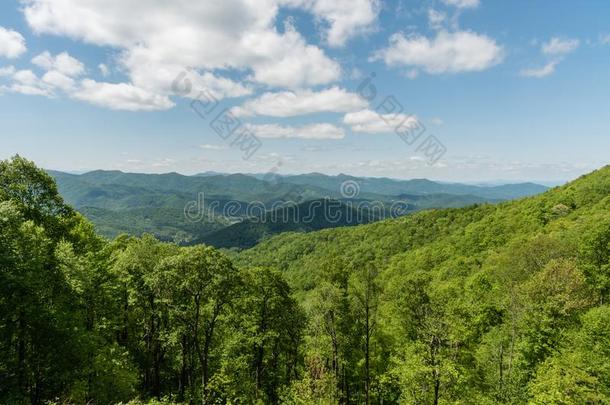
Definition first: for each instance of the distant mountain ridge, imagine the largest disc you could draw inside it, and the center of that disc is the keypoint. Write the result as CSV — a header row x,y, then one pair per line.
x,y
135,203
388,186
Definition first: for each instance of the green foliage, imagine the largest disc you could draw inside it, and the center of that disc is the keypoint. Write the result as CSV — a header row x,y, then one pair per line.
x,y
473,304
580,371
486,304
87,321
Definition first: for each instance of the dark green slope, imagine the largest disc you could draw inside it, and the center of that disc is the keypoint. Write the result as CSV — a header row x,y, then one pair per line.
x,y
306,217
322,214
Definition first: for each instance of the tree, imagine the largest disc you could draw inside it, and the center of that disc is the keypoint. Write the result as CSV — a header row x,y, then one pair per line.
x,y
199,285
595,256
580,371
365,291
35,194
144,312
39,335
264,354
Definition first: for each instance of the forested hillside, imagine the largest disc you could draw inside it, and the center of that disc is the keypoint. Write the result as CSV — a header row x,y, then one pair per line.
x,y
503,303
498,303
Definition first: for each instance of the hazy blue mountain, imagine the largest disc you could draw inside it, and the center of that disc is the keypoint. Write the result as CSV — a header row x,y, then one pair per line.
x,y
386,186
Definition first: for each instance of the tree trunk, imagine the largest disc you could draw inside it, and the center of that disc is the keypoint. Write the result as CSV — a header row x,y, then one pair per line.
x,y
437,385
183,371
367,354
21,354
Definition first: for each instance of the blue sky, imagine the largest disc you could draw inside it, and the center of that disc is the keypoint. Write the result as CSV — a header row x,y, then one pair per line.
x,y
512,90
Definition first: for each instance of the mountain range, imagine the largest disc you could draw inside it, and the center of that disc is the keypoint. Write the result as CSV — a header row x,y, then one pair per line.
x,y
118,202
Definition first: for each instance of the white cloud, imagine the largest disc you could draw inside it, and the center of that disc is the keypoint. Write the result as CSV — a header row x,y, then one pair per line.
x,y
25,77
556,49
59,74
7,71
12,43
164,163
26,82
312,131
462,3
344,18
293,63
62,63
211,35
208,146
104,70
288,103
159,78
543,71
121,96
371,122
58,80
30,90
559,47
604,39
448,52
436,18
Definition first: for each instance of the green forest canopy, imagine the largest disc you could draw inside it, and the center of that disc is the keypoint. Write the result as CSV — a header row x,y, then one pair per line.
x,y
503,303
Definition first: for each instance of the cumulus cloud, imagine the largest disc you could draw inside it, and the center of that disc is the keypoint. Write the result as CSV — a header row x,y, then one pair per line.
x,y
236,34
312,131
12,43
7,71
293,63
26,82
288,103
62,63
58,80
343,19
371,122
209,40
448,52
60,77
63,70
60,72
121,96
160,78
